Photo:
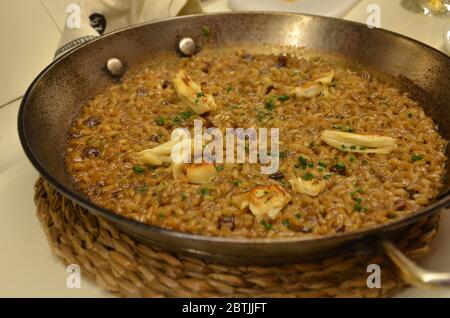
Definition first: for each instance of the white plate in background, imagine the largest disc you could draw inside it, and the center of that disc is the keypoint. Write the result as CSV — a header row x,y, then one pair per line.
x,y
447,37
330,8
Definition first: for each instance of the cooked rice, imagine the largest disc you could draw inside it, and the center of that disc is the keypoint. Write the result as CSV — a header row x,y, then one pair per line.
x,y
141,111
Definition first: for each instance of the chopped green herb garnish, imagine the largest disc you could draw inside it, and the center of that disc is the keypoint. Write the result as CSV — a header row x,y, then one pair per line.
x,y
263,116
298,215
161,215
286,223
187,115
343,146
184,196
320,169
339,127
322,164
410,115
352,147
203,191
206,31
138,169
283,97
219,168
183,116
229,88
326,177
362,148
308,176
357,207
269,105
237,182
352,158
365,162
282,154
142,189
266,225
416,158
339,166
303,162
311,164
160,120
199,95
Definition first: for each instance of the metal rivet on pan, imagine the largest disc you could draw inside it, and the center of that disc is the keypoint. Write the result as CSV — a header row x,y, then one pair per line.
x,y
115,67
187,46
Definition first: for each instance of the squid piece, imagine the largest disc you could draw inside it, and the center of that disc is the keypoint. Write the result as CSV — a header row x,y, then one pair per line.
x,y
178,171
158,155
161,154
308,90
200,173
358,143
190,93
194,173
324,78
310,187
164,153
241,200
316,86
263,201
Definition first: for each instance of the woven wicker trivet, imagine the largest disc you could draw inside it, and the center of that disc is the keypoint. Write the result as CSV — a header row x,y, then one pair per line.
x,y
125,267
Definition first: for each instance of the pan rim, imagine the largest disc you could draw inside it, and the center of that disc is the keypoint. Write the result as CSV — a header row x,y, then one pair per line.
x,y
440,202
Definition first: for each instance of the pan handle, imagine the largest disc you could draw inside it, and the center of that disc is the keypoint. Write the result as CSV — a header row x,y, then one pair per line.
x,y
411,272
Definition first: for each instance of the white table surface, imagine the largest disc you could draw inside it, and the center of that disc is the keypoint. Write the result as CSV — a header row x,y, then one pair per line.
x,y
27,267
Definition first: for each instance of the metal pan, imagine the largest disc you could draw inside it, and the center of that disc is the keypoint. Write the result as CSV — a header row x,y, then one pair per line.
x,y
57,94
